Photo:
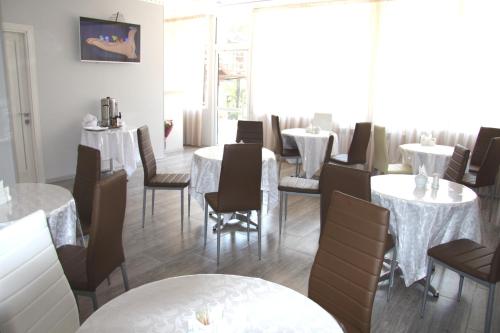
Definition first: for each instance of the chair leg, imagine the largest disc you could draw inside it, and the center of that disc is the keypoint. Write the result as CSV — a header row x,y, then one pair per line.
x,y
124,275
206,221
394,264
93,296
286,205
259,231
460,285
297,169
109,281
279,168
489,308
219,220
427,284
153,203
182,209
248,226
281,211
143,206
189,204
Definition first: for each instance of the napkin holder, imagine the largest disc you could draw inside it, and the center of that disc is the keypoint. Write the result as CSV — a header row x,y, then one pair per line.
x,y
421,178
4,193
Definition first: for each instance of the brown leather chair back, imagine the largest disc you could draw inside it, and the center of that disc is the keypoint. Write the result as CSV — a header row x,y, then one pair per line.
x,y
105,249
458,162
489,167
147,154
278,140
250,132
346,269
240,178
359,143
481,146
88,173
344,179
328,152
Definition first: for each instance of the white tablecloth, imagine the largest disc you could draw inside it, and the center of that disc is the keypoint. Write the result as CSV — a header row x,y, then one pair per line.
x,y
205,172
421,219
118,145
312,147
232,303
435,158
57,203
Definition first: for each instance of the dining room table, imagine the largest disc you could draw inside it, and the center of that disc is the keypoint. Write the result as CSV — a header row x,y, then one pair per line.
x,y
423,217
434,158
118,146
211,303
57,203
312,147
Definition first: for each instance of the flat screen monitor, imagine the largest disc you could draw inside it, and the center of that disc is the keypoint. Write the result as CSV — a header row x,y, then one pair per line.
x,y
109,41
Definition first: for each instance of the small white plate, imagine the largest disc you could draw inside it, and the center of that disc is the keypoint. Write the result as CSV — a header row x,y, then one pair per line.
x,y
95,128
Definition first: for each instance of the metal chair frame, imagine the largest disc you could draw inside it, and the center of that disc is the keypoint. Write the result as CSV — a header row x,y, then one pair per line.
x,y
144,194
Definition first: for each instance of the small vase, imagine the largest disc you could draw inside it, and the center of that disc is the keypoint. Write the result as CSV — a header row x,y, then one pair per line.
x,y
420,181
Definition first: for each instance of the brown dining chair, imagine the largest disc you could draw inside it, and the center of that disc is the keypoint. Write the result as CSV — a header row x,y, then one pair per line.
x,y
345,272
250,132
280,150
86,268
381,155
159,181
88,173
356,183
468,259
357,149
300,186
239,187
457,164
481,146
487,172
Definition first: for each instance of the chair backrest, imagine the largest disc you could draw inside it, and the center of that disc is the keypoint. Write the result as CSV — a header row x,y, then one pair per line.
x,y
323,121
351,181
34,293
380,153
495,266
147,154
328,151
481,146
489,167
88,173
240,178
346,269
250,132
359,143
105,249
278,140
457,165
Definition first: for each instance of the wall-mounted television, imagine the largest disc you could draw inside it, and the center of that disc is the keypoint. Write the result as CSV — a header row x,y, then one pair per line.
x,y
109,41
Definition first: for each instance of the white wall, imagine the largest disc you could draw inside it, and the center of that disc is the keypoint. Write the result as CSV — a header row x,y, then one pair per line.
x,y
69,89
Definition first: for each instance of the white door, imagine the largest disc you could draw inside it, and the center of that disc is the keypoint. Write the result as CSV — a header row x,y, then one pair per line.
x,y
20,104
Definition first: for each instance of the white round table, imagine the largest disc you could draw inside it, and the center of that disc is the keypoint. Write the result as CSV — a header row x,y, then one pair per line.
x,y
423,218
231,303
57,203
205,172
311,147
119,146
434,158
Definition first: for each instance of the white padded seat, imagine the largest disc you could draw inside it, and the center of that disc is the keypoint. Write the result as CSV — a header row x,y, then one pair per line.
x,y
299,183
35,295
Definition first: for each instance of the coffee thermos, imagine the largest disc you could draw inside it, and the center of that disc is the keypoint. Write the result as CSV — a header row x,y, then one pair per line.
x,y
109,112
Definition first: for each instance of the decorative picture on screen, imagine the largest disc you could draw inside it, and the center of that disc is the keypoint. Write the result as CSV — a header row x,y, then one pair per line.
x,y
102,40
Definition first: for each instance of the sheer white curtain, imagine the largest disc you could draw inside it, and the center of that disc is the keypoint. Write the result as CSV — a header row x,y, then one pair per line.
x,y
412,66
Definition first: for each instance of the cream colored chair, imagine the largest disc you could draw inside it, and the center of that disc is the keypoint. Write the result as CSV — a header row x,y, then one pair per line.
x,y
381,155
34,293
323,121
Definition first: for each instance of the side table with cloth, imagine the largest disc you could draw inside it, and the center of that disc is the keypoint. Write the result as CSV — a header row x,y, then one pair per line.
x,y
225,303
205,172
116,145
311,146
57,203
435,158
423,218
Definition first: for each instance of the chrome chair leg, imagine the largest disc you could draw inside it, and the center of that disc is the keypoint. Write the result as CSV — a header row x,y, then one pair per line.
x,y
460,285
286,205
124,276
259,231
189,204
427,284
109,281
153,203
279,168
489,307
219,227
394,264
248,226
93,296
206,221
143,206
281,211
182,209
